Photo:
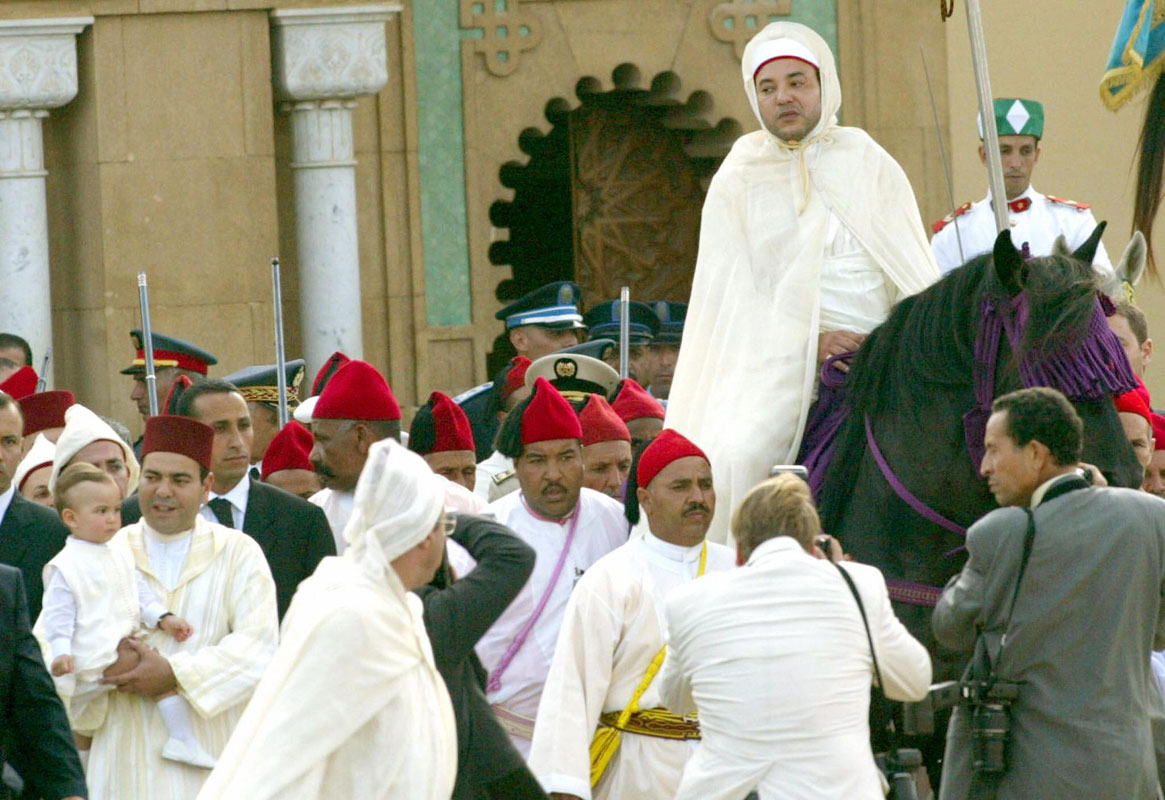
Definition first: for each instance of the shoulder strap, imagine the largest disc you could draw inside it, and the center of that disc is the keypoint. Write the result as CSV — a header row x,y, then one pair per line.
x,y
1028,540
887,712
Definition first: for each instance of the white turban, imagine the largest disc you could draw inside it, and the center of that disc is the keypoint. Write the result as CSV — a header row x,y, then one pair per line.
x,y
39,455
83,428
398,501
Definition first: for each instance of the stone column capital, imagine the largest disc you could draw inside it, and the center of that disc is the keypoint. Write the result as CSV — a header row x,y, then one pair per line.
x,y
330,53
38,62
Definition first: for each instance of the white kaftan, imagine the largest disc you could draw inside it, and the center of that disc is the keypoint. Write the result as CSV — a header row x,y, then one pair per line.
x,y
352,705
217,579
612,630
337,508
747,368
601,528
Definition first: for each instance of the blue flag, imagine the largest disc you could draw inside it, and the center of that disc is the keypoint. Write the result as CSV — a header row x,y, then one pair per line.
x,y
1136,58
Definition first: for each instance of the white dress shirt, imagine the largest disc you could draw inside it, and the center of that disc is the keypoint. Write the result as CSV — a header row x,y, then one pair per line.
x,y
237,497
6,500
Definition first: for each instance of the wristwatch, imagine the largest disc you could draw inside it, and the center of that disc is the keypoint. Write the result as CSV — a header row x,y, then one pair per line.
x,y
167,614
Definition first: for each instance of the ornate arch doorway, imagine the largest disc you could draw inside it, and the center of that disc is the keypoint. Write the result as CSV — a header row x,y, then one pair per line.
x,y
611,195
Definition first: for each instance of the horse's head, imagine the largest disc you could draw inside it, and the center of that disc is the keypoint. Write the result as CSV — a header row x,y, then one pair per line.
x,y
1055,324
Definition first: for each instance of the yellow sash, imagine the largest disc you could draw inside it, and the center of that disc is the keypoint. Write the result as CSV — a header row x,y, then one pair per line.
x,y
606,741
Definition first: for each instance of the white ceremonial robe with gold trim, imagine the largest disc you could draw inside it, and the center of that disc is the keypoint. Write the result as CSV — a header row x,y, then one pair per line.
x,y
223,588
352,706
601,528
613,629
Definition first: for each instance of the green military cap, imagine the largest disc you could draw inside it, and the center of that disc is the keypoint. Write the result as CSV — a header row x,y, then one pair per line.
x,y
1015,116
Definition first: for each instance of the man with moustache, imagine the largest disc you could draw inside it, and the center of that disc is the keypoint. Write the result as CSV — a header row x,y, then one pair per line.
x,y
810,233
89,439
213,576
292,532
611,643
569,527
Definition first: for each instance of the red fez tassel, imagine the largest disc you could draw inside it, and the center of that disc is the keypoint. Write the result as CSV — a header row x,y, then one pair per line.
x,y
20,384
633,402
289,449
549,416
334,362
515,376
181,384
45,410
357,391
669,446
185,436
450,425
1158,431
600,423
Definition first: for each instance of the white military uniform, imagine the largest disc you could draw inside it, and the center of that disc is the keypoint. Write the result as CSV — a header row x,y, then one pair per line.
x,y
601,528
1035,218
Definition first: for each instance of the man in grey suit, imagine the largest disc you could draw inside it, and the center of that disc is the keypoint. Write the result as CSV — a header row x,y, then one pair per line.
x,y
1086,616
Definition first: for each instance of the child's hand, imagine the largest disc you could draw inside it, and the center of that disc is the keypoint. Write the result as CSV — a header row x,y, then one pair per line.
x,y
177,627
63,665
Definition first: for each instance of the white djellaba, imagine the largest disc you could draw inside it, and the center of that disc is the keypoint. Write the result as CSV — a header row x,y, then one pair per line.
x,y
796,238
352,704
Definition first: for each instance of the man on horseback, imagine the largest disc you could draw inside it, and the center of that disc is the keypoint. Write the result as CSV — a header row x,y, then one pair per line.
x,y
810,234
1036,219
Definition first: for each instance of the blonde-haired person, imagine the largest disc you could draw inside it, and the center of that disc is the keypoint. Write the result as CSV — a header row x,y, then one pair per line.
x,y
352,704
94,598
774,657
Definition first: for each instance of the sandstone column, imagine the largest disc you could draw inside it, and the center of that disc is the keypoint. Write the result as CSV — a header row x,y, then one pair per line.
x,y
38,71
324,58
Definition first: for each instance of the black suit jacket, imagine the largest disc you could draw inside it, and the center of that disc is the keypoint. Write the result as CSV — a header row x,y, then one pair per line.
x,y
30,535
293,534
34,730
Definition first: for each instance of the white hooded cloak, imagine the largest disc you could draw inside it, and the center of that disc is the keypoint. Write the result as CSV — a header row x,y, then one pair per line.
x,y
747,369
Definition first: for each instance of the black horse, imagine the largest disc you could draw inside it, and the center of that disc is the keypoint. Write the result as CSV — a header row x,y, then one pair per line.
x,y
913,381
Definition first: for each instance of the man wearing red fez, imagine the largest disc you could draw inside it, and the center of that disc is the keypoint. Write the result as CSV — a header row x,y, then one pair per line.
x,y
44,413
495,474
287,463
569,527
611,639
442,436
20,384
356,409
1155,472
810,234
606,447
642,413
1136,419
213,576
293,533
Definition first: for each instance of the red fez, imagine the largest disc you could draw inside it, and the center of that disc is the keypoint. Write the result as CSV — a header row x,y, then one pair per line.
x,y
669,446
45,410
515,376
20,384
334,362
186,436
450,425
289,449
633,402
549,416
600,423
357,391
1158,431
1143,391
1133,403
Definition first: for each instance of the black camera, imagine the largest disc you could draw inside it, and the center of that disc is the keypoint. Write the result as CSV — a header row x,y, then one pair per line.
x,y
898,766
989,703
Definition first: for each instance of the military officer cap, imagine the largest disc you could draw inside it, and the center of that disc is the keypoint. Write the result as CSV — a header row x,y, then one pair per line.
x,y
169,351
671,321
554,306
574,376
1015,116
595,348
603,320
260,384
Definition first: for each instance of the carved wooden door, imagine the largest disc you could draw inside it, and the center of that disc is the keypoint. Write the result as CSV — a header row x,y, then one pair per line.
x,y
636,200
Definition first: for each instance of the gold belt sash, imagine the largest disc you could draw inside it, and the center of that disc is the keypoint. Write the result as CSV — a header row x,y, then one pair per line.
x,y
657,722
605,743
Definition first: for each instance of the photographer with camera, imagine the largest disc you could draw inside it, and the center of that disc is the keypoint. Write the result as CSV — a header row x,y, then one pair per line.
x,y
1060,603
775,656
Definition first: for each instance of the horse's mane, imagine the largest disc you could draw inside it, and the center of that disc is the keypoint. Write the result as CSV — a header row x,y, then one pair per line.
x,y
929,339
